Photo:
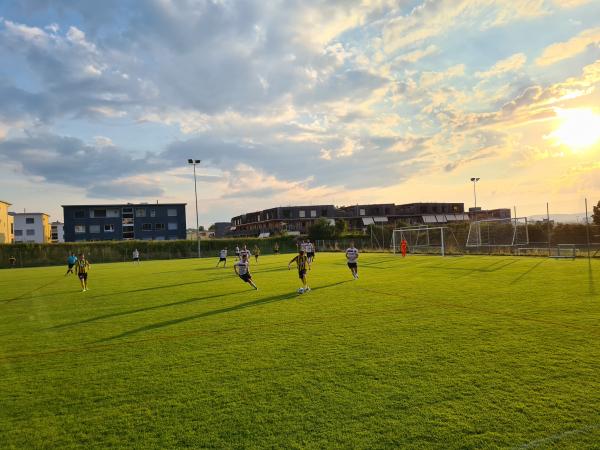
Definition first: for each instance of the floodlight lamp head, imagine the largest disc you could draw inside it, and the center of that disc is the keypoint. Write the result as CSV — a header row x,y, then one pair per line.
x,y
474,179
191,161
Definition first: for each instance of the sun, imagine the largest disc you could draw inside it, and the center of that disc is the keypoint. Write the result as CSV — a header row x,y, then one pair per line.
x,y
579,128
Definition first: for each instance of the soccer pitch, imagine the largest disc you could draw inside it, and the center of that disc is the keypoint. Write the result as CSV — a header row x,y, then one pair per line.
x,y
425,352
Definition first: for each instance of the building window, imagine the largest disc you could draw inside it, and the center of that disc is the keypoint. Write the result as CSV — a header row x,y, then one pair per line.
x,y
159,227
18,232
171,212
152,213
79,229
140,212
361,212
95,229
98,213
323,213
79,214
146,227
313,213
286,214
172,226
109,228
301,213
29,220
112,213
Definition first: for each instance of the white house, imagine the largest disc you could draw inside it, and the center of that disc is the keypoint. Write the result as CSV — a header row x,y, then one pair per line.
x,y
57,232
31,227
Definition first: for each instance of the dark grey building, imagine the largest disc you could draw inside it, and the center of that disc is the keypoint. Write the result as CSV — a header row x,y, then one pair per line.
x,y
357,217
142,221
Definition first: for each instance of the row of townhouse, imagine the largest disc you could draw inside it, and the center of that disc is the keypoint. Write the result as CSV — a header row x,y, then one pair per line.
x,y
298,219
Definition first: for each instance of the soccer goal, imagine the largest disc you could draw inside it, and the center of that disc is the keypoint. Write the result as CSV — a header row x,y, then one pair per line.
x,y
498,233
423,240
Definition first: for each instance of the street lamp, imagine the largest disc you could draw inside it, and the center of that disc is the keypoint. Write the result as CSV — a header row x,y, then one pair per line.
x,y
475,180
193,162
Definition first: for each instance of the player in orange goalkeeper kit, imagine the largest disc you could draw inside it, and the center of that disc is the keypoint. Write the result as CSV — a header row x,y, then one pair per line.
x,y
403,247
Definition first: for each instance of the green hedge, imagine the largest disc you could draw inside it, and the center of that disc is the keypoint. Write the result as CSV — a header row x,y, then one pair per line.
x,y
32,255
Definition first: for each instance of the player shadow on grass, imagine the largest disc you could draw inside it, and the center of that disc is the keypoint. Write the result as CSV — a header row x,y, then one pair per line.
x,y
147,308
527,272
491,268
591,286
28,293
164,286
259,302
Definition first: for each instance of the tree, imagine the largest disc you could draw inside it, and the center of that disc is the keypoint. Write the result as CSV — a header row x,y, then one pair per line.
x,y
212,227
321,229
341,226
596,214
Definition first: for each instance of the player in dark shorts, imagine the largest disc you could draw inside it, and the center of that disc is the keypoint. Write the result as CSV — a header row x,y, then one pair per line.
x,y
352,257
256,253
71,260
12,261
242,269
222,257
303,265
82,266
310,251
276,248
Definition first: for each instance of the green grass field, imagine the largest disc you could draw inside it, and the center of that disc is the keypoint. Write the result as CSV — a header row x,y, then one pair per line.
x,y
426,352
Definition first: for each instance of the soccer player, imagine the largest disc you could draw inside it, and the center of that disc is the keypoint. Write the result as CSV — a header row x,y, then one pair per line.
x,y
303,265
276,248
256,253
222,257
245,251
403,247
237,252
310,251
352,257
82,266
12,261
71,260
136,256
242,269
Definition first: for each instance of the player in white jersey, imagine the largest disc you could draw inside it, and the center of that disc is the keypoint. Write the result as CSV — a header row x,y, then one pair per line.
x,y
245,251
310,251
222,257
237,252
352,257
242,269
136,256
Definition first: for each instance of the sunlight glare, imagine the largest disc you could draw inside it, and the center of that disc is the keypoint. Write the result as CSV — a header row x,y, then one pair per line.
x,y
579,128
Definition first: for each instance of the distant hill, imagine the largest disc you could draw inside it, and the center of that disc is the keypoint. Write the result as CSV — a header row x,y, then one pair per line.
x,y
561,218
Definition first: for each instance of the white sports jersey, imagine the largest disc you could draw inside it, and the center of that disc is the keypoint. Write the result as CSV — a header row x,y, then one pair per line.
x,y
310,248
136,254
303,246
245,252
352,254
237,250
223,254
242,267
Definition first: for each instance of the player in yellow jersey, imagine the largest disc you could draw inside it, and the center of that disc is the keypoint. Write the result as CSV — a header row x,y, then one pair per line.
x,y
82,266
303,266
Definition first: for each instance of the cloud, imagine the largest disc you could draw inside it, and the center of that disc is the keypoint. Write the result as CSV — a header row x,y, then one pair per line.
x,y
574,46
510,64
125,190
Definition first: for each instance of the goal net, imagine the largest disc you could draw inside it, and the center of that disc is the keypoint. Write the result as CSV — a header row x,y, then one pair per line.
x,y
421,240
498,233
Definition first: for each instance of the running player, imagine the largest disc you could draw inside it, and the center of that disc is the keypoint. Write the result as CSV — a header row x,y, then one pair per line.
x,y
403,247
237,253
82,266
256,251
303,265
310,251
71,260
352,257
136,256
242,269
245,251
222,257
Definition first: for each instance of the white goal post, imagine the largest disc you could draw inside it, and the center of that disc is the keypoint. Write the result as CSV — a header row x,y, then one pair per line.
x,y
498,233
421,240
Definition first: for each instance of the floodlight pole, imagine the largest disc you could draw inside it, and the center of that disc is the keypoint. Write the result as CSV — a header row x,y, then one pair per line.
x,y
193,162
587,229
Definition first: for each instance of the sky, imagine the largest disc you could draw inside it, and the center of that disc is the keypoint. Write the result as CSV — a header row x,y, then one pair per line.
x,y
299,102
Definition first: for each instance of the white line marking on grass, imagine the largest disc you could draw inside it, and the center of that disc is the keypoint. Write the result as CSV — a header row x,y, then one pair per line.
x,y
557,437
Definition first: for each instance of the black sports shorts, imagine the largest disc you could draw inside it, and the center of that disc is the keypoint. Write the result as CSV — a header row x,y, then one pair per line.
x,y
82,276
301,273
246,277
352,265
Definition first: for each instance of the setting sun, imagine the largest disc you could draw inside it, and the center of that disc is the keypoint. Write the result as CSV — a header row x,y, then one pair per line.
x,y
579,128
